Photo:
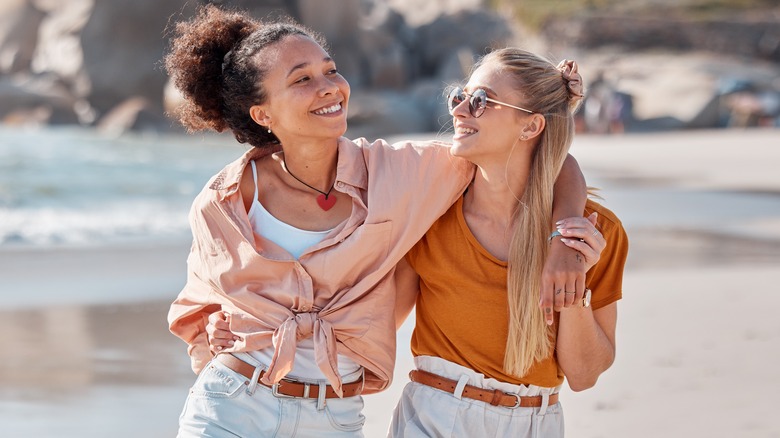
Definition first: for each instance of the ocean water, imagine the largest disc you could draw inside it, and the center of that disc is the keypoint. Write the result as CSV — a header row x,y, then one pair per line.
x,y
75,187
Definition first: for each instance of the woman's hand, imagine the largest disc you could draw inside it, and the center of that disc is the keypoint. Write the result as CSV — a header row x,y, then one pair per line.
x,y
563,277
581,234
218,331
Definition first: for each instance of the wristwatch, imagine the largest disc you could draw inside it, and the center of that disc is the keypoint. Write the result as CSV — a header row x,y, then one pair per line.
x,y
586,298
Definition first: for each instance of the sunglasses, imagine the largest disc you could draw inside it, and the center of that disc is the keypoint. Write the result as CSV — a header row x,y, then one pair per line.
x,y
478,101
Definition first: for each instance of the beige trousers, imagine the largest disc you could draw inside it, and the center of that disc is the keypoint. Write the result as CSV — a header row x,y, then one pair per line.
x,y
423,411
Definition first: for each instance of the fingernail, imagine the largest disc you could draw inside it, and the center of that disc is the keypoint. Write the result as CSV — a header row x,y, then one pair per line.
x,y
564,240
560,222
236,338
549,322
219,348
231,343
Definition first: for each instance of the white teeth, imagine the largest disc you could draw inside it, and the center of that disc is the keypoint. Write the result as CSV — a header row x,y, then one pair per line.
x,y
466,131
328,110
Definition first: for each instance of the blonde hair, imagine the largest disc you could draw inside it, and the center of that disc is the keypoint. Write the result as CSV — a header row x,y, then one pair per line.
x,y
546,91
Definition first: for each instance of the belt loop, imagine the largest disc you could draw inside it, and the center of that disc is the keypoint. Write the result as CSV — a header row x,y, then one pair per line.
x,y
464,379
545,403
321,396
255,379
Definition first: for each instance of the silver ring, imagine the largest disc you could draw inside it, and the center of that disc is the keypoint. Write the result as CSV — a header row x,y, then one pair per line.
x,y
567,292
595,232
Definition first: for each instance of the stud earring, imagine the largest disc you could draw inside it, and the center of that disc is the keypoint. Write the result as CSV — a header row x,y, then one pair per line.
x,y
522,137
269,130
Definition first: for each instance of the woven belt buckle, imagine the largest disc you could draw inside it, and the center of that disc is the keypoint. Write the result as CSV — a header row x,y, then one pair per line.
x,y
277,394
517,400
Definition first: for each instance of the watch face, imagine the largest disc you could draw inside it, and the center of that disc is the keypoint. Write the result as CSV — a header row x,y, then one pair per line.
x,y
586,298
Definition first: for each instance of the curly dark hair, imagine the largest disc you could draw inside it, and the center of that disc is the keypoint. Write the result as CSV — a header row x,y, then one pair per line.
x,y
212,62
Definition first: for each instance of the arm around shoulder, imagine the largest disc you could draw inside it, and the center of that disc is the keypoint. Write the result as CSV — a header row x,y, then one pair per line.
x,y
571,191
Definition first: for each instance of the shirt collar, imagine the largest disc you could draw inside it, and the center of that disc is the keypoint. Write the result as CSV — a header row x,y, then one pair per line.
x,y
230,176
350,169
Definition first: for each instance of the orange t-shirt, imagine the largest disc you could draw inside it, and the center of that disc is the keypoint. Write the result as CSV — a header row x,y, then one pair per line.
x,y
461,311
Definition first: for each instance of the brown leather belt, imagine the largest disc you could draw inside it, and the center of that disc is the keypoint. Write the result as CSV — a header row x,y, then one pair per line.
x,y
290,388
494,397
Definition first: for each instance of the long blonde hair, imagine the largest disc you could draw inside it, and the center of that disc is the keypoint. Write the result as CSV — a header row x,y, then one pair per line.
x,y
545,91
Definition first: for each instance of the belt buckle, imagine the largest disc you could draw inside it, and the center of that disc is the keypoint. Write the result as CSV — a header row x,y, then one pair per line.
x,y
277,394
517,400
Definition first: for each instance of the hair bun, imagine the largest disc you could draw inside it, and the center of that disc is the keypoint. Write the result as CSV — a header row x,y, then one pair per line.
x,y
572,78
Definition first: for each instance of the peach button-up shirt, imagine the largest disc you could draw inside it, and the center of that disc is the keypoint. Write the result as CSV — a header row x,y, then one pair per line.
x,y
341,292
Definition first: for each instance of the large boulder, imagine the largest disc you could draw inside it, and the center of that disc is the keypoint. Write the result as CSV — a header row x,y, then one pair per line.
x,y
741,34
373,113
418,13
59,49
19,23
100,62
339,22
386,43
40,99
477,30
123,44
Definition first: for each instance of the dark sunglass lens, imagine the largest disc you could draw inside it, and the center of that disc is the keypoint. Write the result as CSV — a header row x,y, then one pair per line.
x,y
455,98
478,103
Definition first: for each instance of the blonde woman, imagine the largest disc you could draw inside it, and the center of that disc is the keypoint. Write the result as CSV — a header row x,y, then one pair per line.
x,y
487,364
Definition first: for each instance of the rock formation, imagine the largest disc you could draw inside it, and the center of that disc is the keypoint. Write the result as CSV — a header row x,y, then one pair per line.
x,y
98,63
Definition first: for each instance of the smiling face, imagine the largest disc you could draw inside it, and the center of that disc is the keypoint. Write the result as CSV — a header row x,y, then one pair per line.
x,y
498,128
306,96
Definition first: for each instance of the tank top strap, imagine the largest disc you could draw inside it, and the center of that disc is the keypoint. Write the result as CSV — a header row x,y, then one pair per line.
x,y
254,177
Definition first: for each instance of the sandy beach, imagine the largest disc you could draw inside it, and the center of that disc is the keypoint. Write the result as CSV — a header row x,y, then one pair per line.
x,y
87,351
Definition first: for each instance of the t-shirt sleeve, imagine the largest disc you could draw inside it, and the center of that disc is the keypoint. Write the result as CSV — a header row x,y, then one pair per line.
x,y
605,279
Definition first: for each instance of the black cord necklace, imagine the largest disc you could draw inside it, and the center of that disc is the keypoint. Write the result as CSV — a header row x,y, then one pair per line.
x,y
323,199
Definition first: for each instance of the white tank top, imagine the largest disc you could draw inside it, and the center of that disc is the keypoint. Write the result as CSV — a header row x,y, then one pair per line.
x,y
295,241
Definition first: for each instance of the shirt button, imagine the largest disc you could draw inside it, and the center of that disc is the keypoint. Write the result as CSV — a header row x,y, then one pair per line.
x,y
339,184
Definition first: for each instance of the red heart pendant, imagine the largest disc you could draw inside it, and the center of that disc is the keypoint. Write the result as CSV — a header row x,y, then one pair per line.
x,y
326,202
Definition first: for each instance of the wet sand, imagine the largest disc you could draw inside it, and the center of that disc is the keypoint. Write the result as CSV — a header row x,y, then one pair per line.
x,y
88,354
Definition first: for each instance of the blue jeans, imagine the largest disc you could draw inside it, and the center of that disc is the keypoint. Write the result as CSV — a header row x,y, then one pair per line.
x,y
222,403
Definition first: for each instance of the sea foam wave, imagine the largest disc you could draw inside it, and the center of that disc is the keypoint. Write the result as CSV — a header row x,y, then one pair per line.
x,y
113,223
76,187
